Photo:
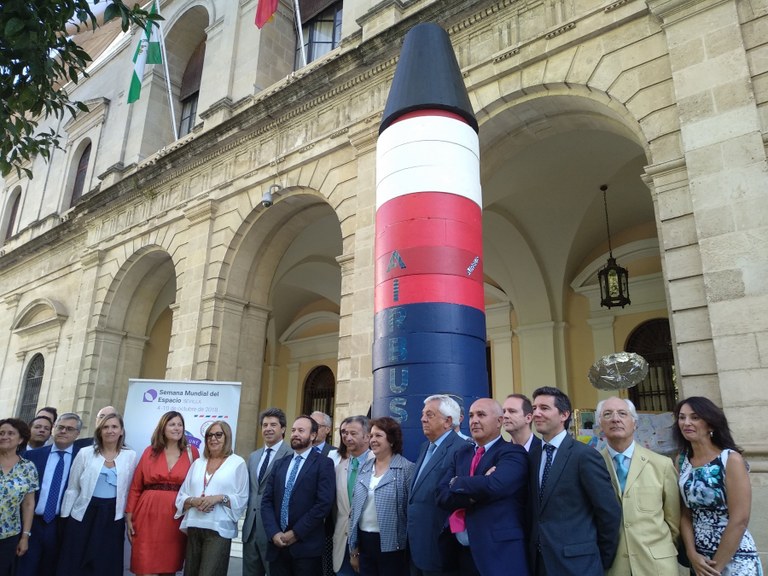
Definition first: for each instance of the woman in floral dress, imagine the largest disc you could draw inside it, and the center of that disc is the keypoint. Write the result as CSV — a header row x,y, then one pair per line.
x,y
717,503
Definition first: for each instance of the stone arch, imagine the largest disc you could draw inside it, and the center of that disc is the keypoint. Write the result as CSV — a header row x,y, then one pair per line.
x,y
279,275
141,292
545,151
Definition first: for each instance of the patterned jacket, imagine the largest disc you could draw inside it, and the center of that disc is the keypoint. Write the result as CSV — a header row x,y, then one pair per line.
x,y
391,499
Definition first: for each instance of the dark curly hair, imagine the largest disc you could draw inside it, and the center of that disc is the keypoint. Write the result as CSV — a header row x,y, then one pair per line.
x,y
392,429
713,415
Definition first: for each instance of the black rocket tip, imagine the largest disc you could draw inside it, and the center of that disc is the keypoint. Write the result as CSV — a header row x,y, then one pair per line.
x,y
427,76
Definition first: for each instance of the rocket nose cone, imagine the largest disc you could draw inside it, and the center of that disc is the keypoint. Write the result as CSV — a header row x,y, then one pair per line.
x,y
427,77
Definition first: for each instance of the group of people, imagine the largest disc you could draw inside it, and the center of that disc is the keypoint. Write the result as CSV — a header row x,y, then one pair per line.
x,y
68,503
541,504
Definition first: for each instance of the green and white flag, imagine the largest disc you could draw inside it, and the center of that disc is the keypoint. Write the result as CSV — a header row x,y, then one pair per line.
x,y
147,52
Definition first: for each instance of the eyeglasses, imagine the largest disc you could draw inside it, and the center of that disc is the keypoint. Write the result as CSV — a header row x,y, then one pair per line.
x,y
68,429
217,435
609,414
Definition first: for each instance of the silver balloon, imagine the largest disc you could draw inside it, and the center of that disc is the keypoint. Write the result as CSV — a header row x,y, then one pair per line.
x,y
618,371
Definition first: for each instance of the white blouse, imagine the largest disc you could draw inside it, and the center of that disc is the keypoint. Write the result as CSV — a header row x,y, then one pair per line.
x,y
84,475
231,479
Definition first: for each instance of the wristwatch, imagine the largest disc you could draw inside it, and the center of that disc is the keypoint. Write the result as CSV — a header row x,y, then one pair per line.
x,y
225,499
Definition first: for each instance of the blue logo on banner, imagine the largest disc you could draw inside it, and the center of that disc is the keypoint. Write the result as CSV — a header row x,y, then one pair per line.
x,y
150,395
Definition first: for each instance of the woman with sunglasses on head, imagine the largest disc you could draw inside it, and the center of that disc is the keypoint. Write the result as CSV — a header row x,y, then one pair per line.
x,y
158,546
94,502
211,500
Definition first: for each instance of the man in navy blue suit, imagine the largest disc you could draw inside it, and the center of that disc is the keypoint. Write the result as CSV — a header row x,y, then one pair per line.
x,y
486,490
297,500
575,516
426,520
43,552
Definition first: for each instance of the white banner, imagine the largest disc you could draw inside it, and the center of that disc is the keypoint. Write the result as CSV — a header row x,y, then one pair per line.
x,y
200,402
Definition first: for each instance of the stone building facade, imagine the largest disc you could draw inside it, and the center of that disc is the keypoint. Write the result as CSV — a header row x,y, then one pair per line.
x,y
135,254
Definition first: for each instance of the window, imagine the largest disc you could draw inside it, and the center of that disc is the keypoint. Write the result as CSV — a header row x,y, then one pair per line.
x,y
319,391
32,383
653,341
14,213
322,32
190,89
82,170
188,113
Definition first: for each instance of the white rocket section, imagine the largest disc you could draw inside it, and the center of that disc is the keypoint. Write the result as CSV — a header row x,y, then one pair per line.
x,y
428,154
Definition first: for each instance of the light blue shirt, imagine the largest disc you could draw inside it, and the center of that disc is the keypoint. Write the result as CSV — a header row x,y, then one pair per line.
x,y
304,455
45,484
628,453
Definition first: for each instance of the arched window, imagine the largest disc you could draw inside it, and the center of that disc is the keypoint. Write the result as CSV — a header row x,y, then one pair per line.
x,y
82,170
653,341
14,213
33,379
319,391
190,89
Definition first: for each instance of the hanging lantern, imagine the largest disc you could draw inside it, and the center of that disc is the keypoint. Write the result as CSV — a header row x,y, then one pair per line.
x,y
613,279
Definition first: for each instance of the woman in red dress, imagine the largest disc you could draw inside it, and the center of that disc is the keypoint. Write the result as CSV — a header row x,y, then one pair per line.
x,y
158,546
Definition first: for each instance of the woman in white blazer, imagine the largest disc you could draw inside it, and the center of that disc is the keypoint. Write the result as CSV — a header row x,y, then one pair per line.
x,y
94,503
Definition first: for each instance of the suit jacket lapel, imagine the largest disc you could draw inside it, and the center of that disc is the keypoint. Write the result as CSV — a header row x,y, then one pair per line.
x,y
636,465
611,471
311,459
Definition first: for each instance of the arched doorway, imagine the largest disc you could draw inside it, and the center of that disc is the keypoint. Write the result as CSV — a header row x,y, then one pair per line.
x,y
653,341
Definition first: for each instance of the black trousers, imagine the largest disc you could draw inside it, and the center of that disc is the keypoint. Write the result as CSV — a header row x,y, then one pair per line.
x,y
287,565
374,562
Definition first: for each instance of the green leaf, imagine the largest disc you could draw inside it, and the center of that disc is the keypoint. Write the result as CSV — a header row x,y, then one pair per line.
x,y
13,27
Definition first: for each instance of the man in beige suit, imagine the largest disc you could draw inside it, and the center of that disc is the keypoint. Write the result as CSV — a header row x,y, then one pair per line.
x,y
646,486
355,434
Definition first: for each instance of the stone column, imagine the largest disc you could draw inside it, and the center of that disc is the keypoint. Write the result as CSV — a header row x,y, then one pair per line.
x,y
500,338
727,239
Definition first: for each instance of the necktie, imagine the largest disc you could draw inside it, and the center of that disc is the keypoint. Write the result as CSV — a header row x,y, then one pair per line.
x,y
547,465
427,456
352,478
52,503
621,470
287,496
457,520
264,466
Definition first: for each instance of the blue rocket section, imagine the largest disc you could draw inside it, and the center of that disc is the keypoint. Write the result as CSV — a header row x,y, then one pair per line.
x,y
410,362
425,347
432,317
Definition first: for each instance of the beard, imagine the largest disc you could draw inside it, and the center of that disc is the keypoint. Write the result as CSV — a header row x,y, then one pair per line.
x,y
300,443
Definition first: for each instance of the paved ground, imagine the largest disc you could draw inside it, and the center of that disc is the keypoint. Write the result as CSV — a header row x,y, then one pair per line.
x,y
235,566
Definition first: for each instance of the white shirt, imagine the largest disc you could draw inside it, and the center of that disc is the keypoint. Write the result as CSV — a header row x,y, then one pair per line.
x,y
231,479
84,475
556,441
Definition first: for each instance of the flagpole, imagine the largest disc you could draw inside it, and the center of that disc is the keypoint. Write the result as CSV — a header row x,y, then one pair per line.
x,y
167,73
301,33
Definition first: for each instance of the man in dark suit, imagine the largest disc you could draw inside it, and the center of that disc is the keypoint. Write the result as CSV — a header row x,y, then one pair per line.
x,y
518,419
575,518
53,463
260,466
426,520
299,496
324,430
486,488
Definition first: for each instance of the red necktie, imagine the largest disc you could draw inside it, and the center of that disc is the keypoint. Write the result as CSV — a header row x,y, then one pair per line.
x,y
456,520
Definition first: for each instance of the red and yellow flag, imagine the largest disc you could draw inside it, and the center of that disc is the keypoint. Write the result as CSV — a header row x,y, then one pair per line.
x,y
264,12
